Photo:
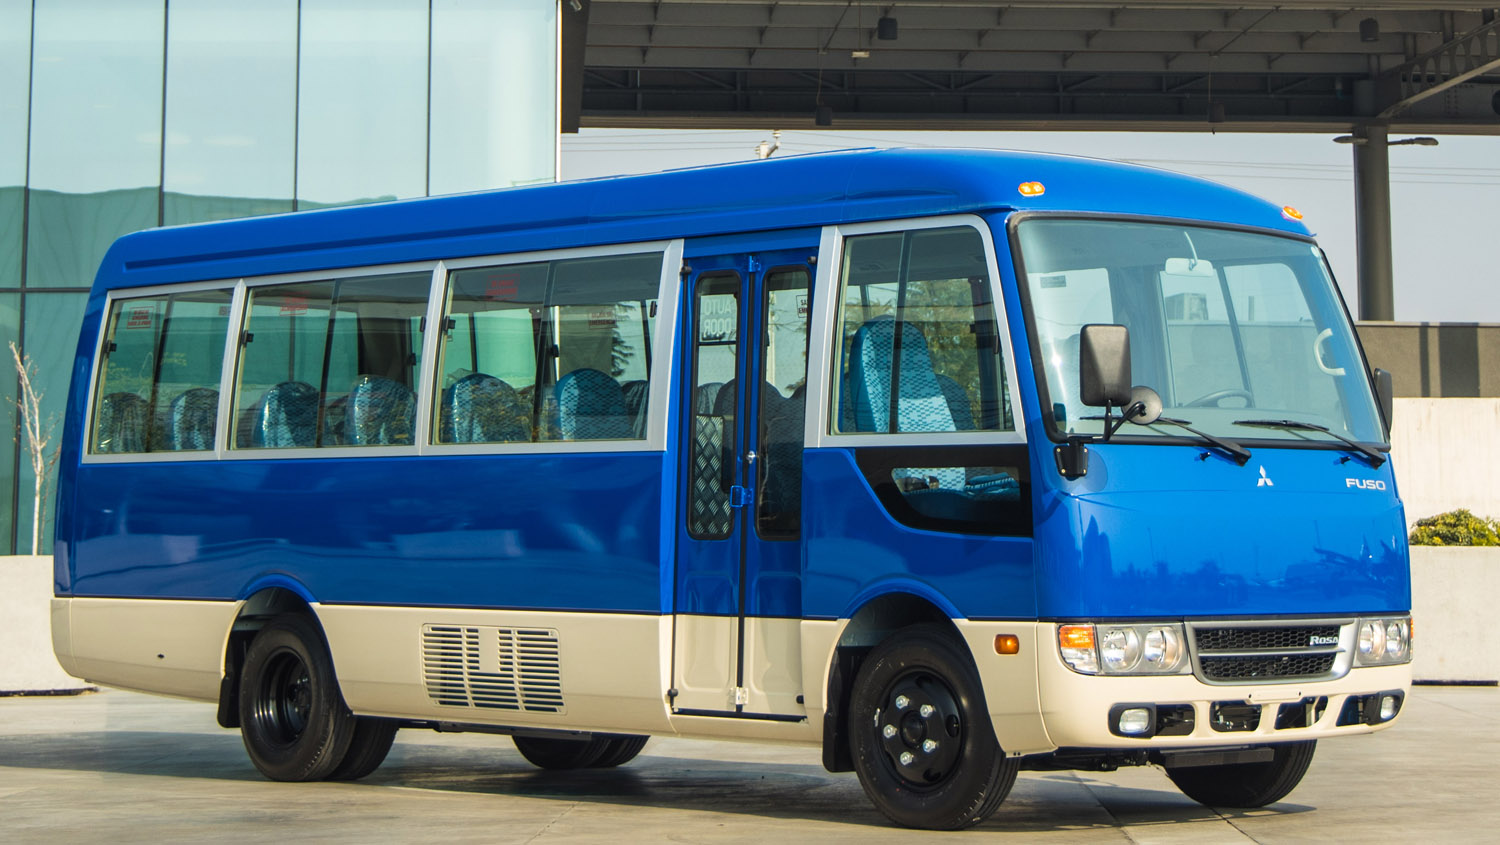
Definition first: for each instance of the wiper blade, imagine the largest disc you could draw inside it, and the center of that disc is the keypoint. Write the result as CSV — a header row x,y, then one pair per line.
x,y
1240,454
1235,450
1374,457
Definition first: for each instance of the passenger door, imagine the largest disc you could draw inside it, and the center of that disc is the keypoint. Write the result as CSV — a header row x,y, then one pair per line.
x,y
737,647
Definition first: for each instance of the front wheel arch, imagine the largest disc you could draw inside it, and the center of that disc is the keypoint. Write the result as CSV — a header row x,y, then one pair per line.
x,y
873,622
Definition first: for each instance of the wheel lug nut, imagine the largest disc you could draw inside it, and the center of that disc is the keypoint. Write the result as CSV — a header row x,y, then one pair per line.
x,y
927,710
907,757
929,746
890,731
902,702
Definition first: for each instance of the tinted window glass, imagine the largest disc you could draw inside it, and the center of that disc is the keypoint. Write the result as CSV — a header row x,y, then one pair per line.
x,y
331,363
555,350
159,383
919,348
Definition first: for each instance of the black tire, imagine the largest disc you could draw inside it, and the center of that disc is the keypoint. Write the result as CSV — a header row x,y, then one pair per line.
x,y
920,686
372,741
558,753
621,749
292,717
1247,785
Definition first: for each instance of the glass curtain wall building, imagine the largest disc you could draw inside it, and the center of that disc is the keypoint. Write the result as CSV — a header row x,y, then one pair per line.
x,y
118,115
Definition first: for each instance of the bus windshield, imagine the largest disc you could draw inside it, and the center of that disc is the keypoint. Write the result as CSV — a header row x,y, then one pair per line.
x,y
1228,326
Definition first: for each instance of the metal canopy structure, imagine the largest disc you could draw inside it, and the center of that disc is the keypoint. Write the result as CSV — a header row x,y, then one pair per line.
x,y
1363,68
1293,65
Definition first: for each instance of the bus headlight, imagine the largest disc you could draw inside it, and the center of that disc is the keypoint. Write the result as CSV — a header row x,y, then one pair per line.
x,y
1119,650
1144,649
1383,641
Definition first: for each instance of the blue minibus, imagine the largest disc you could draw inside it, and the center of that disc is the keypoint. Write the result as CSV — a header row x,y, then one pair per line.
x,y
943,464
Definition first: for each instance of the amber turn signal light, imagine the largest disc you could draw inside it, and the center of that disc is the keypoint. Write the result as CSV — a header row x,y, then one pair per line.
x,y
1007,644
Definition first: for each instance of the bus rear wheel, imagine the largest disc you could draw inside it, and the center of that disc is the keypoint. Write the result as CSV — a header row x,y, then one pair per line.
x,y
561,753
293,719
1247,785
921,737
367,749
621,749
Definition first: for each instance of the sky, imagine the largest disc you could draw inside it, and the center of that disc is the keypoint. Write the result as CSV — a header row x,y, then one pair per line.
x,y
1445,200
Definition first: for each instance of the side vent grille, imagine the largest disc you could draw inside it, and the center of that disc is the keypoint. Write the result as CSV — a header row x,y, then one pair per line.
x,y
493,668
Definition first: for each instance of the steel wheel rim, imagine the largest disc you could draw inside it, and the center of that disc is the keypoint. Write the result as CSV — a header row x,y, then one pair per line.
x,y
919,730
283,700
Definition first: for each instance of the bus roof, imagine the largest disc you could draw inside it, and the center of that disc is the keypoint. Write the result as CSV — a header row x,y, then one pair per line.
x,y
797,191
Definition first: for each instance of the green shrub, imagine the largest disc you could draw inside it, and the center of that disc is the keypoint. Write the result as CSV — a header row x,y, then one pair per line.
x,y
1456,528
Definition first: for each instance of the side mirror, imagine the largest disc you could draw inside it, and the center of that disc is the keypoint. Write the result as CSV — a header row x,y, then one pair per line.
x,y
1104,365
1385,393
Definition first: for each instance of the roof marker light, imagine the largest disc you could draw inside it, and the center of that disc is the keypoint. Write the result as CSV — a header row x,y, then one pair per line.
x,y
1032,189
1291,213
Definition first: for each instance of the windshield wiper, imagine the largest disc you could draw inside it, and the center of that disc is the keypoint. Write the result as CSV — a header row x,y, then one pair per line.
x,y
1235,450
1374,457
1240,454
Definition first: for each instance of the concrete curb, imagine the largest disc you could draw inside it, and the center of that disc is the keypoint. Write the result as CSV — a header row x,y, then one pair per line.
x,y
26,662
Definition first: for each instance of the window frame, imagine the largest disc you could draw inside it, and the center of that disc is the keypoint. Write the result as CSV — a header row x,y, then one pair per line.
x,y
824,340
87,454
663,358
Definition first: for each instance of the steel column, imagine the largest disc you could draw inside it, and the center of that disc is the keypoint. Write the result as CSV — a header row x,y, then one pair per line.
x,y
1372,199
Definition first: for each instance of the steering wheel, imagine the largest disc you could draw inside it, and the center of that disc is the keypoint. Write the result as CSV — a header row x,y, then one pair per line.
x,y
1211,399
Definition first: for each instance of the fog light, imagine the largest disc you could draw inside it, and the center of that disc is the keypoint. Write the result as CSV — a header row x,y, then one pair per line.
x,y
1135,721
1388,707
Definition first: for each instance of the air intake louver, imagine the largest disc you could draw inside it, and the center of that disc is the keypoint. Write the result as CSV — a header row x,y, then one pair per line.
x,y
493,668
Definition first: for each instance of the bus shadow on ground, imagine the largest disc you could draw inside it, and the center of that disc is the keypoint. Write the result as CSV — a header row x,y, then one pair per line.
x,y
790,791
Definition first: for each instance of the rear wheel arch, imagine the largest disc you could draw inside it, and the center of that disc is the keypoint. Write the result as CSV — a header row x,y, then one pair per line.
x,y
254,613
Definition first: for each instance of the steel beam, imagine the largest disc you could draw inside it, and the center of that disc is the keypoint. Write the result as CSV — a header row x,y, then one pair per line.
x,y
1475,53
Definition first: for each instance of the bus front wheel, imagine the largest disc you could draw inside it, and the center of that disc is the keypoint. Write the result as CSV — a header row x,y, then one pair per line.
x,y
293,719
1247,785
920,734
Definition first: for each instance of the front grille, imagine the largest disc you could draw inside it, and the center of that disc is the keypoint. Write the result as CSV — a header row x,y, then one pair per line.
x,y
1259,652
1291,637
1261,668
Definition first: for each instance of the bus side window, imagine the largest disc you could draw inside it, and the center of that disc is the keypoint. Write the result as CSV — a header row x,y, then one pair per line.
x,y
920,347
159,385
553,350
331,363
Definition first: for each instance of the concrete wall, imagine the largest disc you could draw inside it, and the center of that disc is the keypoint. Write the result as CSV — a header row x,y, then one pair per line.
x,y
1436,359
1453,596
1447,455
26,661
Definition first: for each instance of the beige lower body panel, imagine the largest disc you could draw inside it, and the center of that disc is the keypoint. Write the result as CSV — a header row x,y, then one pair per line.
x,y
612,667
159,646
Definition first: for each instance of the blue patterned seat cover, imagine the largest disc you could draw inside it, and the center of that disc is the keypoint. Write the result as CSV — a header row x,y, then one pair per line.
x,y
191,419
287,417
121,425
636,393
591,406
382,412
921,406
958,403
480,408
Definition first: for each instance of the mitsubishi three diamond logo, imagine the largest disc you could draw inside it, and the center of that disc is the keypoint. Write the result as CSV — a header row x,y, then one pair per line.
x,y
1264,480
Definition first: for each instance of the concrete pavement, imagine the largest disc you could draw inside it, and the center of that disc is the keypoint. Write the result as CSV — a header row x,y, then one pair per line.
x,y
122,767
